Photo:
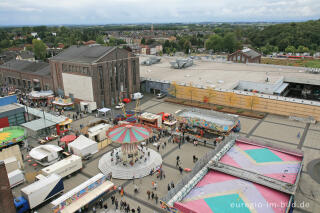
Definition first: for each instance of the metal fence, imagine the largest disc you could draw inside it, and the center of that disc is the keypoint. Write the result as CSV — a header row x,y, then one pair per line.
x,y
200,164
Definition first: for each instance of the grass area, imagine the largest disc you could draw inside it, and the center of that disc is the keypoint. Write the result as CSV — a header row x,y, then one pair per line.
x,y
313,63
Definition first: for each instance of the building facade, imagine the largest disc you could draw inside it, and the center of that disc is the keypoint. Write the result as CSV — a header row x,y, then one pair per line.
x,y
26,75
96,73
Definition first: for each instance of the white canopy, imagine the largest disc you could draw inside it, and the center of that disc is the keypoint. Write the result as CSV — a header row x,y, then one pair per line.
x,y
104,110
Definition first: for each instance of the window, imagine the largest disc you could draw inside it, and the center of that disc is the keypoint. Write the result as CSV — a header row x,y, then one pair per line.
x,y
100,71
10,82
24,83
86,70
134,73
19,82
14,81
29,84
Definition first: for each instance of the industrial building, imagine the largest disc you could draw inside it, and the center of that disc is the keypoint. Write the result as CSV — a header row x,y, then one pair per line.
x,y
26,75
96,73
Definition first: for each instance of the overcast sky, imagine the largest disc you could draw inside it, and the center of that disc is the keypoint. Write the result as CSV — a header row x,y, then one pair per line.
x,y
47,12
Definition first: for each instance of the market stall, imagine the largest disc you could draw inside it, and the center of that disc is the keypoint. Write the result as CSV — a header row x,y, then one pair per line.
x,y
63,104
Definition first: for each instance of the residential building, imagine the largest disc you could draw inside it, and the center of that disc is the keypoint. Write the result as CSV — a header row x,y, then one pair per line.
x,y
96,73
25,56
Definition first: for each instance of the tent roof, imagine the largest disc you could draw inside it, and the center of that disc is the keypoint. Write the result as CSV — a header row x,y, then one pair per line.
x,y
81,142
104,110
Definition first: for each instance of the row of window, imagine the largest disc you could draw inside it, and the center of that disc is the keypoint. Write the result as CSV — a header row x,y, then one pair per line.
x,y
24,83
75,69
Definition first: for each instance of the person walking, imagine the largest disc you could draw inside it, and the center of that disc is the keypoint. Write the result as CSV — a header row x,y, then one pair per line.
x,y
180,169
139,209
112,199
116,203
152,195
148,193
172,185
156,198
168,187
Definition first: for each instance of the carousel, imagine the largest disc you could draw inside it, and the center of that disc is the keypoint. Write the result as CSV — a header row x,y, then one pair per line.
x,y
132,159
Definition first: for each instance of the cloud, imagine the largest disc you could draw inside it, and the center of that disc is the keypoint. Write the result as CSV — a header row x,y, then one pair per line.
x,y
30,12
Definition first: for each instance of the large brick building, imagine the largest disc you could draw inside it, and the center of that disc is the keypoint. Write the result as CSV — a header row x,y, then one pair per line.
x,y
91,73
245,56
26,75
96,73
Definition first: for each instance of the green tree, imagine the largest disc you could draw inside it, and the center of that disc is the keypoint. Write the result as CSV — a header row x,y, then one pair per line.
x,y
214,42
100,39
290,49
300,49
143,41
39,49
230,43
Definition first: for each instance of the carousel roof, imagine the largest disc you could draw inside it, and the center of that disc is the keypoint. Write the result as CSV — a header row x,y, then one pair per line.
x,y
129,133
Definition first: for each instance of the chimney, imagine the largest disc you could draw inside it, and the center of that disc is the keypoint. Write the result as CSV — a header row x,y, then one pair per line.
x,y
6,197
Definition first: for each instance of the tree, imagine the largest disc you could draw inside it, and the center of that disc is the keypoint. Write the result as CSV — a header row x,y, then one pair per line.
x,y
300,49
290,49
100,39
39,49
143,41
214,42
231,98
230,43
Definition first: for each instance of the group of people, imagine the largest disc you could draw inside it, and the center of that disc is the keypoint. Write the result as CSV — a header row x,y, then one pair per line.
x,y
124,206
152,195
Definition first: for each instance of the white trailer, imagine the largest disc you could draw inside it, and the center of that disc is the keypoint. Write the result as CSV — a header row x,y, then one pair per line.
x,y
12,164
64,167
42,190
16,177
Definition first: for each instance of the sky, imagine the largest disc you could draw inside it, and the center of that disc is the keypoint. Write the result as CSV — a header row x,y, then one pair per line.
x,y
58,12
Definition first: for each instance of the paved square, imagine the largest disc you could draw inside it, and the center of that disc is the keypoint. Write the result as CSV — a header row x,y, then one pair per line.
x,y
279,132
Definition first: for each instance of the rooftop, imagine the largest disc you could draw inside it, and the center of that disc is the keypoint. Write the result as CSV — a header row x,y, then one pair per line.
x,y
83,54
37,68
225,75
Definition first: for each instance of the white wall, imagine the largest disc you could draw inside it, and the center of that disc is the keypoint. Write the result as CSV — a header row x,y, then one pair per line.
x,y
79,86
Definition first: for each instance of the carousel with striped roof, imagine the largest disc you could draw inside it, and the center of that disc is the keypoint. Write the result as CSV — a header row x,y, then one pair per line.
x,y
132,159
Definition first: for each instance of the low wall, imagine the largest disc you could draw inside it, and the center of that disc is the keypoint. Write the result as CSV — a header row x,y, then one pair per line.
x,y
246,100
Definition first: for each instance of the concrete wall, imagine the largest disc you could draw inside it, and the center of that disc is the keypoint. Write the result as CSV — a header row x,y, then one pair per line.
x,y
246,100
80,86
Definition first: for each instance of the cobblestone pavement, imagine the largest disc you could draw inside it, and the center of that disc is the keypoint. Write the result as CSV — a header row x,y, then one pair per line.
x,y
273,128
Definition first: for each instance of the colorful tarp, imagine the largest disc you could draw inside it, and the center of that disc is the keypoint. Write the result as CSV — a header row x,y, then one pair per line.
x,y
221,193
263,160
129,133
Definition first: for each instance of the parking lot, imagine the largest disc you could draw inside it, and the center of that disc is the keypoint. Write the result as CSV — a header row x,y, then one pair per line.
x,y
276,129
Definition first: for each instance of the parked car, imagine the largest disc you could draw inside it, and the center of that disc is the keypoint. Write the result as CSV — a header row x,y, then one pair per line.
x,y
161,95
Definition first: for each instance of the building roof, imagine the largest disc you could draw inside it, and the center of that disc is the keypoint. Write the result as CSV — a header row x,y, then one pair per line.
x,y
38,124
26,54
83,54
250,52
224,75
10,107
37,68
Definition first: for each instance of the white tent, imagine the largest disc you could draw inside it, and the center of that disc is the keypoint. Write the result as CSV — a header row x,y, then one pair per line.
x,y
83,146
104,111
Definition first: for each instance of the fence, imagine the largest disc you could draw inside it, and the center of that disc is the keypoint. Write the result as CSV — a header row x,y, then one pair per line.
x,y
200,165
